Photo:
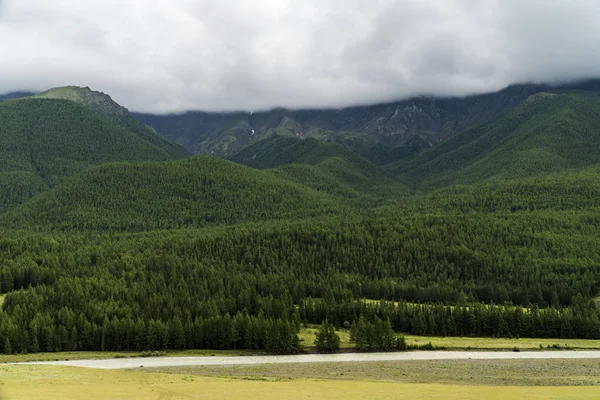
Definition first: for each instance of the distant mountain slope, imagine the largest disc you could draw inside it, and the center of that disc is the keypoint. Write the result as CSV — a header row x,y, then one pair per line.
x,y
280,150
102,105
571,189
197,191
430,120
391,124
14,95
42,141
547,133
330,167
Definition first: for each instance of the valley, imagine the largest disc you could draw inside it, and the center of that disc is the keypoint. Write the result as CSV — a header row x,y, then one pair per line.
x,y
299,200
115,241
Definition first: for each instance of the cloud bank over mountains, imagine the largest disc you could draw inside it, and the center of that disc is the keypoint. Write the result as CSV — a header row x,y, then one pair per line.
x,y
175,55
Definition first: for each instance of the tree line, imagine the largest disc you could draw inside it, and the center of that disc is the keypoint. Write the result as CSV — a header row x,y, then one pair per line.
x,y
470,275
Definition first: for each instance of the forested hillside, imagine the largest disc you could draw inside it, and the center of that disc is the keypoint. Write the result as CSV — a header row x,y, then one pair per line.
x,y
280,150
547,133
103,106
44,141
328,167
492,233
194,192
251,286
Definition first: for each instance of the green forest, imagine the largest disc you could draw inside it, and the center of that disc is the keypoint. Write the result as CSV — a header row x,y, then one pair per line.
x,y
112,240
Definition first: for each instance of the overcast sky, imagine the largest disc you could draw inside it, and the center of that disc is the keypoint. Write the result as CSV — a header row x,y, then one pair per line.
x,y
174,55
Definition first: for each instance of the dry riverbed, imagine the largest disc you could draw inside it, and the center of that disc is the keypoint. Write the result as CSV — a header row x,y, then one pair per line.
x,y
155,362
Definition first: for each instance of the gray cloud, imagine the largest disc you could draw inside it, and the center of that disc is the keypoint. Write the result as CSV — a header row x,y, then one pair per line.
x,y
175,55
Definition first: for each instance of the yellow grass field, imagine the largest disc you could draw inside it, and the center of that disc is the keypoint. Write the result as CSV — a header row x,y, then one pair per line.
x,y
44,382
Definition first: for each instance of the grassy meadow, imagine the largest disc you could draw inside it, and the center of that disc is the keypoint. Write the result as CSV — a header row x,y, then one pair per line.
x,y
446,372
43,382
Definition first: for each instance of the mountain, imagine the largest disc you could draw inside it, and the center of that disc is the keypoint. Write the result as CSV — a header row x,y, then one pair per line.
x,y
45,140
315,179
329,167
109,241
15,95
547,133
194,192
281,150
428,121
103,106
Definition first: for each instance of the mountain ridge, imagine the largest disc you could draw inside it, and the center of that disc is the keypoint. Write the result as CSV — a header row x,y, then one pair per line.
x,y
103,105
546,133
45,140
429,119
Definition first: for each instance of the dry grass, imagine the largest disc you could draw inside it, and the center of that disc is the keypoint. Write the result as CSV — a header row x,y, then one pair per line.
x,y
43,382
461,372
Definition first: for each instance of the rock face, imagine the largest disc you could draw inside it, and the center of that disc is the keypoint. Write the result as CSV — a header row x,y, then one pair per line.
x,y
431,120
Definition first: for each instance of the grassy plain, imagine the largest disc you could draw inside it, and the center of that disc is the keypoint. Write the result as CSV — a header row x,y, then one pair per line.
x,y
448,372
44,382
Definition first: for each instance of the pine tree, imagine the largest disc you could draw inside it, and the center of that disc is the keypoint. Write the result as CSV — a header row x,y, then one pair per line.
x,y
327,341
7,347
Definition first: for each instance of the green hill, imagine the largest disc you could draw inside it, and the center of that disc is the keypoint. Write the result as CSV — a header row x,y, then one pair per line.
x,y
573,189
102,105
193,192
43,141
329,167
281,150
547,133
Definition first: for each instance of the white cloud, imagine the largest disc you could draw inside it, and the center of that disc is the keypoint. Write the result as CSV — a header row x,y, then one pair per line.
x,y
174,55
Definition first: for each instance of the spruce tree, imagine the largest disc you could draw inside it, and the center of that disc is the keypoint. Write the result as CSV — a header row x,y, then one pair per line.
x,y
7,346
327,341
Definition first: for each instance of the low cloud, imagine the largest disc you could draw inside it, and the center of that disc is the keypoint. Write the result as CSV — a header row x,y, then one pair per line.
x,y
175,55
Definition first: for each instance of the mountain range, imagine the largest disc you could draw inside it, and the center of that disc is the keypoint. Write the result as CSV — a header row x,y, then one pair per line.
x,y
60,148
472,217
51,136
414,124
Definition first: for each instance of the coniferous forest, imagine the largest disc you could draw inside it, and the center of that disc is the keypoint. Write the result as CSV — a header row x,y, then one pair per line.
x,y
493,233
